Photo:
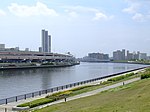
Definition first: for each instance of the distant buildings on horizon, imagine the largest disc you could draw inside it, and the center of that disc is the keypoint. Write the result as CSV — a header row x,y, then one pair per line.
x,y
96,57
118,55
45,44
123,55
3,48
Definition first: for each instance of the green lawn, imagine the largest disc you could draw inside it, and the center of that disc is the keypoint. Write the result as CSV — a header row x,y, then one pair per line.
x,y
133,97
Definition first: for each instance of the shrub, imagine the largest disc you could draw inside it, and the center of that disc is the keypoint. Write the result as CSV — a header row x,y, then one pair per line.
x,y
59,95
37,102
116,78
79,88
105,82
130,74
145,75
147,69
121,77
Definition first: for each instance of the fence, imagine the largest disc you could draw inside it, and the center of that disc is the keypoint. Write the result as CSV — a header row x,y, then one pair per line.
x,y
51,90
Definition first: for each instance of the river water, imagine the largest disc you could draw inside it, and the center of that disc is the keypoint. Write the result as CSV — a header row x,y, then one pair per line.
x,y
18,82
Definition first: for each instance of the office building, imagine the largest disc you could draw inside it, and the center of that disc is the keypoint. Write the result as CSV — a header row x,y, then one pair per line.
x,y
27,49
136,56
46,41
16,48
129,56
40,49
143,56
99,56
2,46
50,43
119,55
96,57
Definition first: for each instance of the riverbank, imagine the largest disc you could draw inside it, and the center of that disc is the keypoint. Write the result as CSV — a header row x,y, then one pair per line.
x,y
56,89
132,97
132,62
31,99
15,66
139,90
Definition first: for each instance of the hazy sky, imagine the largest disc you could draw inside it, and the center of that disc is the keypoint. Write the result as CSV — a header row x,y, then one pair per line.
x,y
77,26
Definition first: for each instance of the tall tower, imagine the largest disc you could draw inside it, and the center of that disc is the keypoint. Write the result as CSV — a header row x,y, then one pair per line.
x,y
123,54
46,41
49,37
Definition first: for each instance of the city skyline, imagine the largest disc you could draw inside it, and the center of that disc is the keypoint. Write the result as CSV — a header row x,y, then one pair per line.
x,y
78,26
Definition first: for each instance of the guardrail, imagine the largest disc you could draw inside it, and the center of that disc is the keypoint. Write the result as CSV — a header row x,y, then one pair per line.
x,y
55,89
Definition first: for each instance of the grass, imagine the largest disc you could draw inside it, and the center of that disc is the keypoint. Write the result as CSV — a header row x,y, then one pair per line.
x,y
75,91
133,97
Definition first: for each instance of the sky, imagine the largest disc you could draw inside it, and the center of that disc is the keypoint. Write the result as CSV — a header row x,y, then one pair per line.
x,y
77,26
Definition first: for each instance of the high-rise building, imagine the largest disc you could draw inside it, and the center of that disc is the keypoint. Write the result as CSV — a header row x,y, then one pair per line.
x,y
143,56
27,49
119,55
40,49
46,41
2,46
99,56
49,37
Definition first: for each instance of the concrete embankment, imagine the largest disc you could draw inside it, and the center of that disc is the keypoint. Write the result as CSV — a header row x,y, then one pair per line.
x,y
36,67
140,63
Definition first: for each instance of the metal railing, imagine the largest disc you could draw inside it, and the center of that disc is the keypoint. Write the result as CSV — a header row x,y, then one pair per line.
x,y
55,89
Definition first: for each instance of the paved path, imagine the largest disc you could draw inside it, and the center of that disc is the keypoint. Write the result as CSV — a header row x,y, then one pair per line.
x,y
10,105
91,92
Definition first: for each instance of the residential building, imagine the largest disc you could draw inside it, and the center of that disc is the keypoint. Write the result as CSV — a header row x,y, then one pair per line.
x,y
96,57
46,41
143,56
26,49
99,56
2,46
119,55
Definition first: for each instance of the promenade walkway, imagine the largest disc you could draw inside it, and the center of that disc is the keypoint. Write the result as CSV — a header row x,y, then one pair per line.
x,y
8,107
94,92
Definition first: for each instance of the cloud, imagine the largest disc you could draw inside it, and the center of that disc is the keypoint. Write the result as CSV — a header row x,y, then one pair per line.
x,y
138,17
26,11
72,14
2,13
132,8
80,10
138,9
102,16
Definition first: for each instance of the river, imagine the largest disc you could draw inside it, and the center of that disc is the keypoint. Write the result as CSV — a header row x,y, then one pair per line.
x,y
18,82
